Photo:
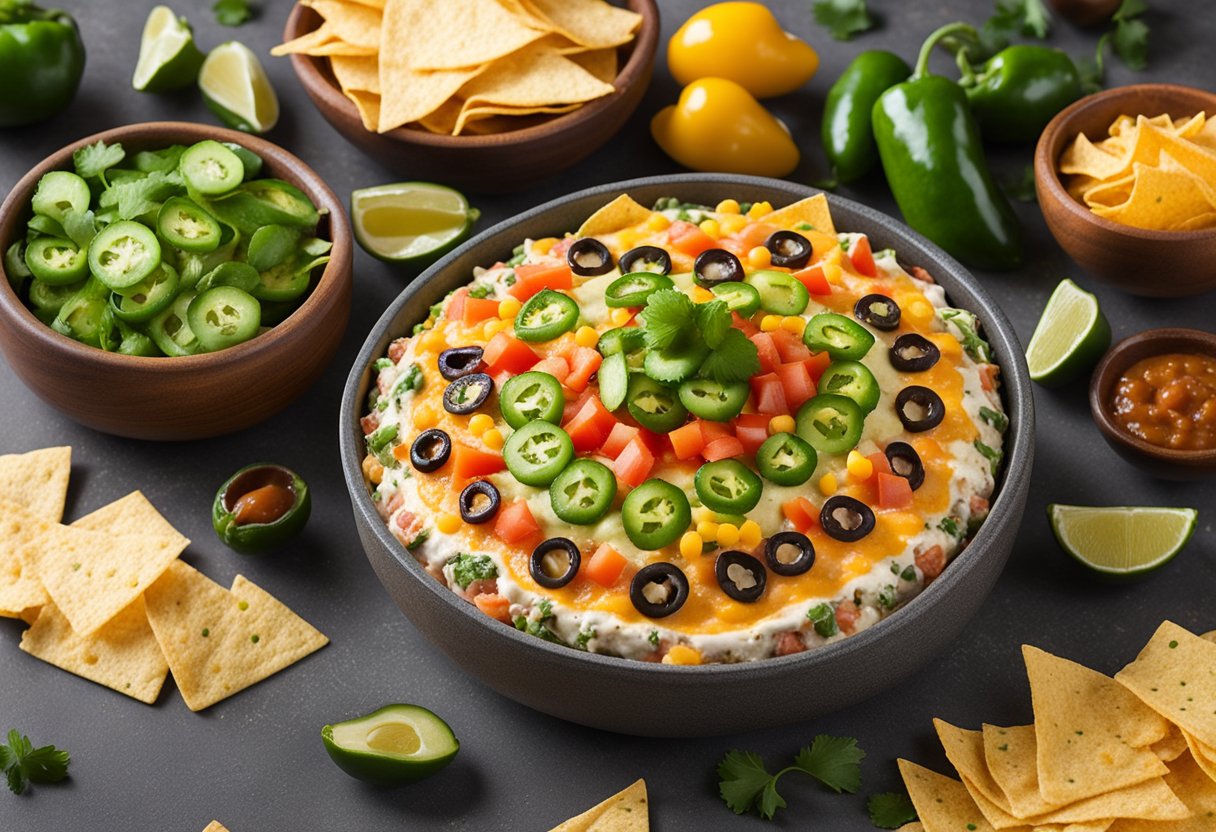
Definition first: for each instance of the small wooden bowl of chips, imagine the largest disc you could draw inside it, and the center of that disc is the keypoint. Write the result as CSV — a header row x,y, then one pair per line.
x,y
508,93
1133,200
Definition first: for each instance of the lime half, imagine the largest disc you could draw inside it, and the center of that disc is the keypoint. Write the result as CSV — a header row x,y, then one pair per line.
x,y
396,744
237,90
1071,336
410,222
1122,540
168,58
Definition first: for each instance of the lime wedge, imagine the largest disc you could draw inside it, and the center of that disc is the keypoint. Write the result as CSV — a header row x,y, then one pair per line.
x,y
1122,540
410,222
1071,336
237,90
168,58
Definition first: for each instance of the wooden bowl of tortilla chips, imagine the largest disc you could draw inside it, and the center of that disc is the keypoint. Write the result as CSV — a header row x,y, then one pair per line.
x,y
489,95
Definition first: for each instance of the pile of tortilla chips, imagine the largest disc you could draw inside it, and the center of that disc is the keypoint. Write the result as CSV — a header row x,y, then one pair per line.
x,y
1154,173
107,599
1136,753
467,66
625,811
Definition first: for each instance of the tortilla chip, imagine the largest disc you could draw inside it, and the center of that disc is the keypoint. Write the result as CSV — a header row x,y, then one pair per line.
x,y
1203,756
965,751
467,34
1199,223
941,803
132,514
533,77
1210,636
621,213
1172,747
1173,675
1195,789
914,826
601,63
625,811
1091,734
122,655
361,73
215,826
320,42
20,587
407,94
472,115
1108,193
1162,197
591,23
813,210
1086,158
37,481
219,642
368,105
355,25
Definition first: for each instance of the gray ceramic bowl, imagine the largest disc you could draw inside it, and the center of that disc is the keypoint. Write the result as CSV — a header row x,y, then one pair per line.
x,y
652,699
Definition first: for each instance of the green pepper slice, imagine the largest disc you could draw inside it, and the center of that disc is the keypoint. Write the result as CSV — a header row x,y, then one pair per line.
x,y
547,315
260,507
56,261
622,339
655,406
135,342
233,273
171,328
675,363
251,161
713,400
786,459
49,298
123,254
531,397
223,317
853,380
780,292
211,169
59,192
739,297
148,298
832,424
86,315
583,493
184,224
265,202
286,281
536,453
633,289
272,245
728,485
613,379
842,338
655,514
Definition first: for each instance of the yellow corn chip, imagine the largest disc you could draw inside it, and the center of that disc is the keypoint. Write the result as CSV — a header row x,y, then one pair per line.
x,y
1188,128
1175,675
1084,157
533,77
591,23
813,211
1195,789
1209,636
443,120
467,34
601,63
1109,193
941,803
471,115
965,751
1162,198
625,811
215,825
914,826
368,105
1199,223
1172,747
122,655
20,534
622,212
219,642
356,25
1204,757
336,48
359,73
38,481
132,514
306,43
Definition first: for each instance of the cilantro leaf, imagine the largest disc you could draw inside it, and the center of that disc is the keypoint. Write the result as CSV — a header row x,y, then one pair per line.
x,y
669,316
834,761
22,763
1131,43
843,18
770,801
139,195
734,359
95,159
232,12
467,568
80,226
16,779
1027,17
743,778
713,319
890,810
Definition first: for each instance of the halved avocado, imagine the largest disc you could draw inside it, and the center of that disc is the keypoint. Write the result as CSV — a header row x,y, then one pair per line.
x,y
393,745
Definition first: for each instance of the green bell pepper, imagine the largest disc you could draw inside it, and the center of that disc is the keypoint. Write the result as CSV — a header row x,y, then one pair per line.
x,y
260,508
41,61
1018,90
848,139
929,144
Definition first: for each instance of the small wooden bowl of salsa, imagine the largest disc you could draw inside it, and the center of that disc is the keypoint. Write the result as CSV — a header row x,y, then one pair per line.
x,y
1153,397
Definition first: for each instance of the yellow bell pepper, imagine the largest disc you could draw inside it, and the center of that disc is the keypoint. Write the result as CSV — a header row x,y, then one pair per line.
x,y
718,126
742,42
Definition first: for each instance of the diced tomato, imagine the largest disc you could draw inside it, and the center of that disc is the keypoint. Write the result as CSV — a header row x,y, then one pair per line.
x,y
815,281
689,239
893,492
789,643
802,513
847,614
397,349
494,605
633,466
369,423
796,382
920,274
789,346
590,426
817,365
478,309
712,431
584,361
724,448
743,324
881,464
574,403
766,351
752,420
606,565
515,523
931,562
687,441
989,373
863,258
470,463
554,365
562,246
770,395
505,352
455,309
656,442
531,279
735,247
620,436
751,438
755,233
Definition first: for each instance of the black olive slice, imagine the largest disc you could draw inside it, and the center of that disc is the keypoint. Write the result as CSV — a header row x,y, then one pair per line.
x,y
479,502
800,564
430,450
845,518
717,265
919,408
790,250
740,575
913,353
564,550
459,361
645,259
879,311
905,462
669,580
467,393
588,257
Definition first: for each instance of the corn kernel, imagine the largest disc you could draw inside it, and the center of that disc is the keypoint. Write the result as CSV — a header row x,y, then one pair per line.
x,y
728,534
586,337
543,245
434,340
480,423
732,224
658,222
493,439
372,469
682,655
750,534
770,323
727,206
708,530
702,295
919,313
499,326
828,484
691,545
711,228
759,257
860,468
794,324
705,515
508,308
425,417
781,424
448,523
619,317
759,209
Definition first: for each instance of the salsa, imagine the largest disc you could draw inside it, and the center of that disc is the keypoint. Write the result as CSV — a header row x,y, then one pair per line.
x,y
1169,401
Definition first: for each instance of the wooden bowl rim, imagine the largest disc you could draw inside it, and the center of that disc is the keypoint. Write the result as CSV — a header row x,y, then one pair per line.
x,y
308,71
335,276
1061,128
1118,359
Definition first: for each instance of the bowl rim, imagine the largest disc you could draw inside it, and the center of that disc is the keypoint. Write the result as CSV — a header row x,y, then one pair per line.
x,y
1013,478
1061,129
329,285
1116,361
309,71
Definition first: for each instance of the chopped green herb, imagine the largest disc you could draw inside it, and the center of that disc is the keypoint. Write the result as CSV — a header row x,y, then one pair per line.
x,y
479,290
995,418
888,597
909,573
713,321
255,638
843,18
412,380
206,632
824,619
991,454
653,638
804,226
584,636
381,437
545,608
968,326
231,12
950,526
467,568
383,363
419,538
23,764
95,159
745,784
509,279
890,810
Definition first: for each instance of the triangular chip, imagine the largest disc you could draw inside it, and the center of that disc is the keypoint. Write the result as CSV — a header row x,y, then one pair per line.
x,y
1195,789
466,34
220,642
1091,735
123,655
591,23
625,811
216,826
533,77
942,804
132,514
1175,675
20,535
356,25
357,73
368,105
470,116
813,211
622,212
1172,747
601,63
965,751
38,481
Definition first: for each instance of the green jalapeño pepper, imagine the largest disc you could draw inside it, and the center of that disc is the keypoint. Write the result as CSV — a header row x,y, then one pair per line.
x,y
930,148
848,138
41,61
260,508
1018,90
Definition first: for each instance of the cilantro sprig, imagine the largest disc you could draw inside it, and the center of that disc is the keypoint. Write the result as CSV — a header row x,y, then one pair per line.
x,y
232,12
673,322
745,784
23,764
843,18
890,810
97,158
